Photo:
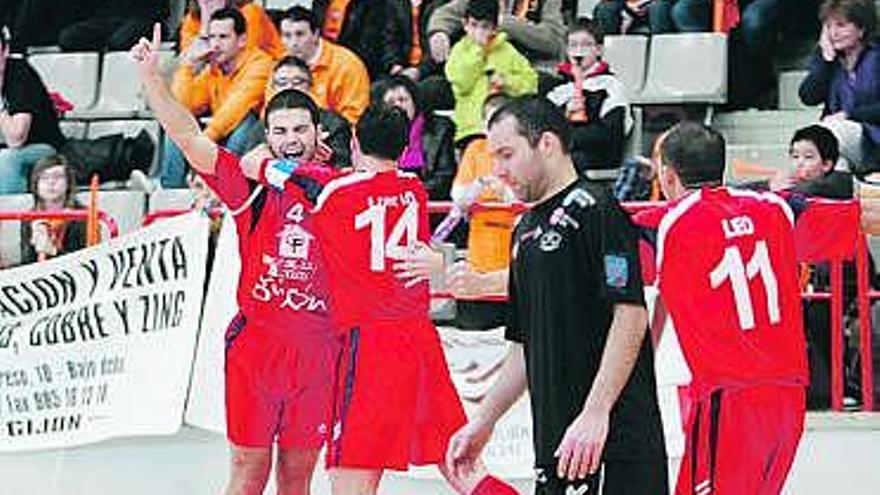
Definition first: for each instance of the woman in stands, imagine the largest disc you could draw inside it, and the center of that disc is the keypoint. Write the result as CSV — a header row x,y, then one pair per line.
x,y
53,188
845,77
430,153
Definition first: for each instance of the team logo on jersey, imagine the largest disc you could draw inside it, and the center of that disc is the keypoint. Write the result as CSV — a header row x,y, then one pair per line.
x,y
550,241
616,271
293,242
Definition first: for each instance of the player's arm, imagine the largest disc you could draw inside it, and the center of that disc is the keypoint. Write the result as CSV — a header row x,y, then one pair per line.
x,y
467,443
179,124
580,451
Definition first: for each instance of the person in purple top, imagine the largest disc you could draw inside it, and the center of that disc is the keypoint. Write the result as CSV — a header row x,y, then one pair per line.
x,y
844,75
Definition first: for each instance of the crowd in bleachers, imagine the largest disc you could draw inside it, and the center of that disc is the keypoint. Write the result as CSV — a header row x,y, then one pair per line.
x,y
619,68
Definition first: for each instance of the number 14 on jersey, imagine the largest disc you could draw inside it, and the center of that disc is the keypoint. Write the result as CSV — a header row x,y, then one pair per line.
x,y
403,235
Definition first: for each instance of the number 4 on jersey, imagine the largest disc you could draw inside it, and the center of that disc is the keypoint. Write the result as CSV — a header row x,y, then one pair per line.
x,y
403,235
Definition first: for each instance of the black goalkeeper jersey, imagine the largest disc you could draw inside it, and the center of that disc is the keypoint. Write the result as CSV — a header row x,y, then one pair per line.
x,y
574,257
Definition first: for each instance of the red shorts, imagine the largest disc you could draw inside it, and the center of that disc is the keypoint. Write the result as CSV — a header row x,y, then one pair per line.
x,y
278,391
395,402
742,441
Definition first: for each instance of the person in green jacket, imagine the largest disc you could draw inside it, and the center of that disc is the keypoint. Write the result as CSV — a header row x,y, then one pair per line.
x,y
483,63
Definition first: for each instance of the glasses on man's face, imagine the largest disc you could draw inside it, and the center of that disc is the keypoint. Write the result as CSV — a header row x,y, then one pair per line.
x,y
290,82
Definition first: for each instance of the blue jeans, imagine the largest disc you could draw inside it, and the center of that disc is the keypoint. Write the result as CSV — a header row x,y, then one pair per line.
x,y
173,170
685,16
16,165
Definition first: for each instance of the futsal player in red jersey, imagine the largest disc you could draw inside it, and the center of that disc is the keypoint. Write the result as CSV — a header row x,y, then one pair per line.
x,y
727,275
395,404
281,349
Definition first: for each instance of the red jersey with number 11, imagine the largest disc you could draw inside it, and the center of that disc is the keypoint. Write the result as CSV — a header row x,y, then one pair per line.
x,y
367,221
728,277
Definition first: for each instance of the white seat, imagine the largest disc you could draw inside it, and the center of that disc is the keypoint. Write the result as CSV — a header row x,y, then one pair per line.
x,y
10,230
686,68
286,4
627,56
119,91
170,199
74,75
756,161
789,85
73,129
763,127
126,207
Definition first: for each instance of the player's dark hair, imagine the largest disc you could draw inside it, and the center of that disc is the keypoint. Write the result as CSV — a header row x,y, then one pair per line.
x,y
233,14
298,13
534,116
293,61
825,141
382,132
696,153
291,99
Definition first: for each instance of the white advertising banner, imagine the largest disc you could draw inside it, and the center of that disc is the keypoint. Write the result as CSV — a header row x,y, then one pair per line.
x,y
99,343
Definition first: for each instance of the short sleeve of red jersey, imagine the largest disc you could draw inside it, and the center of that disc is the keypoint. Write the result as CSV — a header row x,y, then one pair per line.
x,y
228,181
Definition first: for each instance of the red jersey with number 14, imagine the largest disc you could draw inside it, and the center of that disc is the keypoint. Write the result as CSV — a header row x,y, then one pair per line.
x,y
367,221
727,274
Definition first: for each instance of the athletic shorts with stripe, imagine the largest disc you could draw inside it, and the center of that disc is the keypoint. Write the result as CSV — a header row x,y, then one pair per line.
x,y
395,402
279,389
742,441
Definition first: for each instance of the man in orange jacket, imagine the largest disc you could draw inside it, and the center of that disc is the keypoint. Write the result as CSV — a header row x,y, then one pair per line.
x,y
229,90
340,81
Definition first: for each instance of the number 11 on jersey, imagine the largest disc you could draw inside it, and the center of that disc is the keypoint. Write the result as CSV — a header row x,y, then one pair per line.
x,y
404,233
731,267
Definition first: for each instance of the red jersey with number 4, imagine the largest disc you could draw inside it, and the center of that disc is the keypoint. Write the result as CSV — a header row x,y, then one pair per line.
x,y
366,222
727,274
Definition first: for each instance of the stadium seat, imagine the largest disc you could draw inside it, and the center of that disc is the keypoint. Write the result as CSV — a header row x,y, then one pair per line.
x,y
119,92
686,68
126,208
789,84
627,56
763,127
170,199
74,75
10,231
73,129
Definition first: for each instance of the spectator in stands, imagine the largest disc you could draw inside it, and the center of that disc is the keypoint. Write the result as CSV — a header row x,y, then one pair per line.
x,y
230,89
814,152
752,46
38,22
340,81
405,48
334,132
536,28
357,25
194,43
113,25
53,188
28,122
430,151
481,63
686,16
594,100
622,16
844,75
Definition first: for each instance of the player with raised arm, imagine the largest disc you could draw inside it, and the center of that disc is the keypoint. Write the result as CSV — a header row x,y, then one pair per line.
x,y
281,349
396,405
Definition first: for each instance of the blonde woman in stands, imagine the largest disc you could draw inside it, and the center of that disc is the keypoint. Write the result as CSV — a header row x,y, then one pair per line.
x,y
53,188
845,77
